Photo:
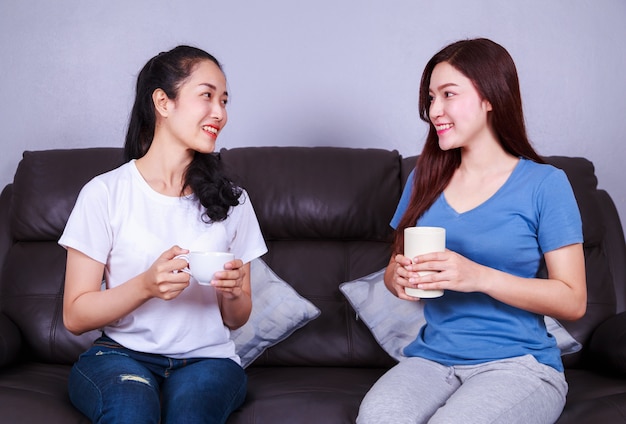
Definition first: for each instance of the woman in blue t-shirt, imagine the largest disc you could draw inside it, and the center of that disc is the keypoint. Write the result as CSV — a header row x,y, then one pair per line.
x,y
484,354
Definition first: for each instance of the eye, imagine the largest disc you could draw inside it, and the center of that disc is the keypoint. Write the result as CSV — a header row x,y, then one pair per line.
x,y
448,94
207,94
224,102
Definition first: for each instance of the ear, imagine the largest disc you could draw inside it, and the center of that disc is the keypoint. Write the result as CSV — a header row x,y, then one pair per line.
x,y
488,106
161,102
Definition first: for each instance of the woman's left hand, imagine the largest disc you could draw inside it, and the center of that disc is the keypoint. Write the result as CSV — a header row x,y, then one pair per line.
x,y
234,293
454,272
230,282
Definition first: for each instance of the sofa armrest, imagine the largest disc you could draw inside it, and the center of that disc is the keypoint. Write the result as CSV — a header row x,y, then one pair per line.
x,y
607,347
10,340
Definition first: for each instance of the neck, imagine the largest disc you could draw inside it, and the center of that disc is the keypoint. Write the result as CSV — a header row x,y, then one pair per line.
x,y
163,167
487,157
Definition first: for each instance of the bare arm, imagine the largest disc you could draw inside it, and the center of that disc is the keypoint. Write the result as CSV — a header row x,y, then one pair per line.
x,y
86,307
234,293
563,295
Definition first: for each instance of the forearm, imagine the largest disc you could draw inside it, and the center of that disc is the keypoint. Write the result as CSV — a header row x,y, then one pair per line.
x,y
96,309
550,297
563,295
235,308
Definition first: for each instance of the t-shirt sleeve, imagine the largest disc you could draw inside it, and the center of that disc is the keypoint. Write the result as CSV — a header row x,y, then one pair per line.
x,y
247,242
87,229
403,204
559,217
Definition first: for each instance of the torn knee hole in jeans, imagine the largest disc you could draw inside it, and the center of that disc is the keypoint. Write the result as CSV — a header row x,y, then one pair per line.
x,y
135,378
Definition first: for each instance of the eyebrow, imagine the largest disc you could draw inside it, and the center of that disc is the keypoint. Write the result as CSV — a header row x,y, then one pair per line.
x,y
212,87
446,85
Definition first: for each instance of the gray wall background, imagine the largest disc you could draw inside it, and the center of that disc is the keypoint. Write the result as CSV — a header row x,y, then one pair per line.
x,y
308,73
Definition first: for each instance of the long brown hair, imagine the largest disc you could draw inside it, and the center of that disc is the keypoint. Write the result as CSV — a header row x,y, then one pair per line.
x,y
492,71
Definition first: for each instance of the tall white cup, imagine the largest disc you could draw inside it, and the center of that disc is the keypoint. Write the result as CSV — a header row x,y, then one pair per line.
x,y
419,241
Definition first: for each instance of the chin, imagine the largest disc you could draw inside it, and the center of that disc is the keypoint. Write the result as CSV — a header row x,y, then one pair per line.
x,y
206,148
446,146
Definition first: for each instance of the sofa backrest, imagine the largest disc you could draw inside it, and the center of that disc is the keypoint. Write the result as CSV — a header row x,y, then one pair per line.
x,y
324,213
44,190
602,232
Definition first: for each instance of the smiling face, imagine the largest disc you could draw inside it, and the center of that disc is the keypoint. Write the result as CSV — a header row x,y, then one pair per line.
x,y
457,110
195,118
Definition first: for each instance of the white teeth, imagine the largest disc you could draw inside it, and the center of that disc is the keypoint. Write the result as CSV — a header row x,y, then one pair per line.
x,y
443,127
210,129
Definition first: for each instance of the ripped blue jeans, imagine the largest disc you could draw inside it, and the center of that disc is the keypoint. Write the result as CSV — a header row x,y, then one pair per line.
x,y
112,384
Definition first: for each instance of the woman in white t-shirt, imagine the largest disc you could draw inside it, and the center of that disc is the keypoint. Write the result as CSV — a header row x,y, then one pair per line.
x,y
165,354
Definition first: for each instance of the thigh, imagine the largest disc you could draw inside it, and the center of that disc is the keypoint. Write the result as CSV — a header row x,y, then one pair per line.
x,y
410,392
204,391
516,390
110,387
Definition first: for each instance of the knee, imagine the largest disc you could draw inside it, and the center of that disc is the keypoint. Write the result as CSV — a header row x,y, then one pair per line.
x,y
128,398
370,412
134,391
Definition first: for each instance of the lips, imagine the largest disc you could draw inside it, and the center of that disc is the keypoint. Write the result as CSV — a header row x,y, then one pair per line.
x,y
442,128
212,130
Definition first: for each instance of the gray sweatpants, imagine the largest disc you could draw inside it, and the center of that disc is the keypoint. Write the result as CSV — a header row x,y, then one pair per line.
x,y
515,390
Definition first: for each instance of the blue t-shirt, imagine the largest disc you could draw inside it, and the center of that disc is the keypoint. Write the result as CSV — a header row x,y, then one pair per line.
x,y
532,213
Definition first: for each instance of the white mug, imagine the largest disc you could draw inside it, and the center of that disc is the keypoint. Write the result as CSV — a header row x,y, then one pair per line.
x,y
419,241
203,265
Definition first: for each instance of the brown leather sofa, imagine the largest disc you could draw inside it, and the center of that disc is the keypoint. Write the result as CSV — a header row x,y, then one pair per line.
x,y
324,213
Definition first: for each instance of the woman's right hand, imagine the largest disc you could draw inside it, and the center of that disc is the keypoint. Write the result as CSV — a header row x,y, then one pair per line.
x,y
397,276
165,279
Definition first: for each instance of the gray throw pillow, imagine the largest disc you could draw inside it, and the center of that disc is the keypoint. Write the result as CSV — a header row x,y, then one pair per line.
x,y
277,311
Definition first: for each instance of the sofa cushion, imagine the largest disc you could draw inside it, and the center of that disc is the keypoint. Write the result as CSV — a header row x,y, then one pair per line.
x,y
304,395
35,305
10,340
607,347
277,311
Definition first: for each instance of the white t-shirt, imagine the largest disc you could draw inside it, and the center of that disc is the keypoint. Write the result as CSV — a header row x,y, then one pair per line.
x,y
120,221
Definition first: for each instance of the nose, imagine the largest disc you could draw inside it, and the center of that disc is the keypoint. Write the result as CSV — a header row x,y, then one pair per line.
x,y
218,112
435,109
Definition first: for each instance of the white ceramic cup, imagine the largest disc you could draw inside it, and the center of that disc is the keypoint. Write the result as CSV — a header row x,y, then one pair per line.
x,y
419,241
204,265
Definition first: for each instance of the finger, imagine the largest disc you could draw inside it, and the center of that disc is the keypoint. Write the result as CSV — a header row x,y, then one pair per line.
x,y
433,256
167,289
402,295
169,266
235,274
234,264
179,278
226,286
402,260
171,294
173,251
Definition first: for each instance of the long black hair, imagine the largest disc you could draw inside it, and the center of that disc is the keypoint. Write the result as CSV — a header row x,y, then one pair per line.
x,y
204,175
